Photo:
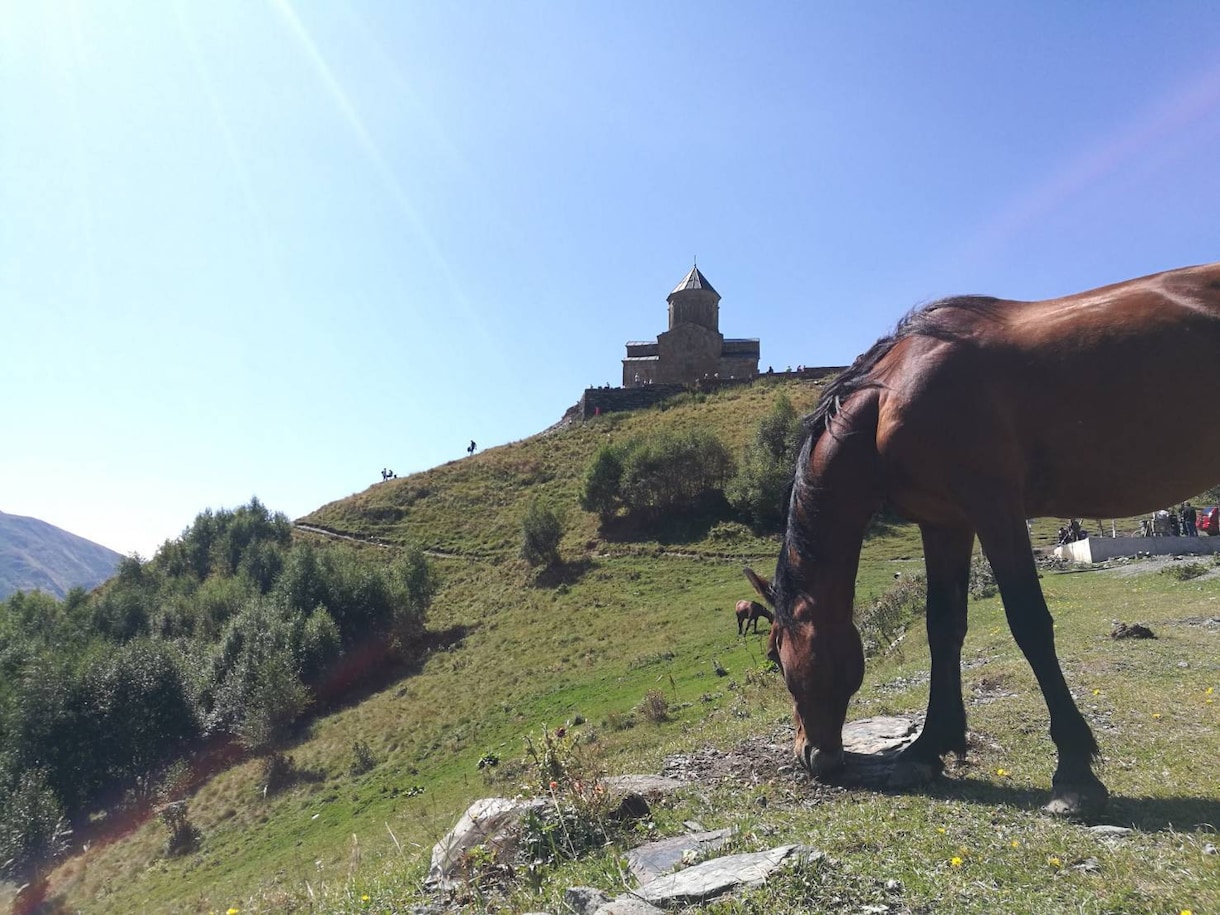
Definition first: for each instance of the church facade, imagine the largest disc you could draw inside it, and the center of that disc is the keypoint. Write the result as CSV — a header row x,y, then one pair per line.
x,y
693,347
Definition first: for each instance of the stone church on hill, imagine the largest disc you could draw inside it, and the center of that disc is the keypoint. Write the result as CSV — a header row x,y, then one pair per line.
x,y
693,347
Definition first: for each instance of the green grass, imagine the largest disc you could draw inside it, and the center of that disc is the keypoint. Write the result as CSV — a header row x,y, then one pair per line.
x,y
629,618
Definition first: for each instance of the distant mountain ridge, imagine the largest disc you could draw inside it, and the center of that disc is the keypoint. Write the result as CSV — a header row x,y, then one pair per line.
x,y
38,555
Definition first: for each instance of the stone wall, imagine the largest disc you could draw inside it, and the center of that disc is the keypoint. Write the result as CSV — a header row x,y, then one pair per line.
x,y
614,400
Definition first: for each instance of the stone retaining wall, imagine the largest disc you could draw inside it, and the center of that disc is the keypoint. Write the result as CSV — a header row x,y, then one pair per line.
x,y
595,401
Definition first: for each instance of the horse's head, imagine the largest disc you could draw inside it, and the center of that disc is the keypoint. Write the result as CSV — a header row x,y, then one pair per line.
x,y
822,659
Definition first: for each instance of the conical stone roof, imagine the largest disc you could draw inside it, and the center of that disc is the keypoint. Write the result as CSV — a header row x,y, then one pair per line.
x,y
695,280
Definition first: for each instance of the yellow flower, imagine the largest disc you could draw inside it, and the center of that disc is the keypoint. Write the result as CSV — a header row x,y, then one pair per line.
x,y
1054,862
941,830
1003,773
364,898
955,861
233,910
1156,714
1016,844
1208,691
1096,692
1187,912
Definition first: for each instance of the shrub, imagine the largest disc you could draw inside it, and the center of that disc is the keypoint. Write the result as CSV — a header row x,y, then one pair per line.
x,y
603,484
275,701
541,531
889,615
183,835
757,491
655,706
982,578
1184,571
664,472
363,759
33,828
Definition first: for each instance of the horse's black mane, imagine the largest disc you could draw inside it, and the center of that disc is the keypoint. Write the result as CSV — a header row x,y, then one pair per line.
x,y
940,319
933,320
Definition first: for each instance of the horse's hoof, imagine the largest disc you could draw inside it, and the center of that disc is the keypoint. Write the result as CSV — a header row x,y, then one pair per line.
x,y
909,773
1078,801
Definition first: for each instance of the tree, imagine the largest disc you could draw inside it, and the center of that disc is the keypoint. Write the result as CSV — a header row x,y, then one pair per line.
x,y
541,531
603,484
758,490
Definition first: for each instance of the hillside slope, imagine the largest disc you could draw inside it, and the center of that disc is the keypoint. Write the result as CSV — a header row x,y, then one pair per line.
x,y
628,626
38,555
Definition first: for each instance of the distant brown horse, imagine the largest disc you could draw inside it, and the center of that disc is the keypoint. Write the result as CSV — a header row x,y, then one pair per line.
x,y
749,611
976,414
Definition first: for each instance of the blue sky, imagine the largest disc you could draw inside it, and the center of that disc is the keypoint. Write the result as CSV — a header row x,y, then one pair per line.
x,y
267,248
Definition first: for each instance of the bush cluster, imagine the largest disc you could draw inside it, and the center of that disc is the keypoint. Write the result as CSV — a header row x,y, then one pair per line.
x,y
651,475
232,630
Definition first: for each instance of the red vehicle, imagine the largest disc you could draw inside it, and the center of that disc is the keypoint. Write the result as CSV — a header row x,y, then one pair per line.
x,y
1208,521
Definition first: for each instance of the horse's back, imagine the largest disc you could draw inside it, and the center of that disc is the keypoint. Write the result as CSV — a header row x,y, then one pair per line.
x,y
1092,404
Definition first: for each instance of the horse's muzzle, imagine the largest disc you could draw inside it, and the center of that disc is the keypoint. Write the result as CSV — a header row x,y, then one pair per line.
x,y
821,762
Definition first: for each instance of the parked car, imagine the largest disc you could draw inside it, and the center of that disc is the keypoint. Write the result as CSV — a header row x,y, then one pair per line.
x,y
1208,521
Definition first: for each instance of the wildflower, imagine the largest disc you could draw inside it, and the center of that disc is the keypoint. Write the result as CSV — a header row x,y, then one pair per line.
x,y
364,898
955,861
1208,691
554,785
1096,692
233,910
1156,715
1016,844
1002,773
1054,861
941,830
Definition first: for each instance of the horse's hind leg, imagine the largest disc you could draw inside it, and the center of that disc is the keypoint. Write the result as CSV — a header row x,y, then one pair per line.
x,y
1076,790
947,557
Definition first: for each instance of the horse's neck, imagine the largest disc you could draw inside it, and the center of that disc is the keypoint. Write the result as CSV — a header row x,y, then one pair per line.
x,y
833,501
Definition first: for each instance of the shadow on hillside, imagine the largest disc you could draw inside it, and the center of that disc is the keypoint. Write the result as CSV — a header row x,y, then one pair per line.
x,y
1146,814
670,527
563,573
371,668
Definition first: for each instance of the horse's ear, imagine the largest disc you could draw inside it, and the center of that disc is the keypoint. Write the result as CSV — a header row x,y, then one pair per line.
x,y
761,585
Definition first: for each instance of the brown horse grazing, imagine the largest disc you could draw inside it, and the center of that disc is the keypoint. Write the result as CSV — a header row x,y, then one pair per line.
x,y
749,611
974,415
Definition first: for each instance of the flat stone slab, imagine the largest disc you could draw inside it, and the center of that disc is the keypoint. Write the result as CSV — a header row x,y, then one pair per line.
x,y
628,905
656,858
648,786
587,900
879,735
714,878
870,746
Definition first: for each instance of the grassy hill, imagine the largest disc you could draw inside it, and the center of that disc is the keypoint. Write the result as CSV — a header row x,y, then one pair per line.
x,y
35,555
627,619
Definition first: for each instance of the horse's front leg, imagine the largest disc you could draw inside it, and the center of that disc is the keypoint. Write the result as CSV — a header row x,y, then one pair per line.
x,y
947,557
1076,791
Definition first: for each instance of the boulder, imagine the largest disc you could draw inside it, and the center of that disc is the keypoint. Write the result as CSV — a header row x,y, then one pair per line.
x,y
491,822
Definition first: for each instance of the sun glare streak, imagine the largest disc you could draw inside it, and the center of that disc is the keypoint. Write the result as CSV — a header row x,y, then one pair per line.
x,y
77,67
236,159
371,150
1170,118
